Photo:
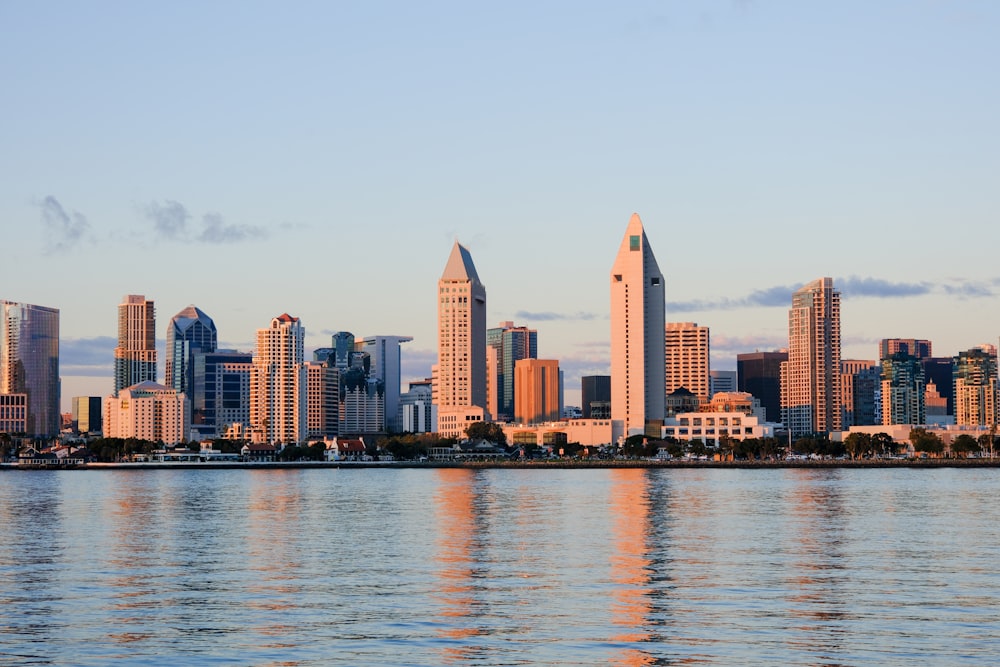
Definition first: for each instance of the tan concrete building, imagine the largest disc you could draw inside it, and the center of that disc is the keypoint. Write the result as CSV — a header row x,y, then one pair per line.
x,y
135,354
148,411
278,384
687,358
536,391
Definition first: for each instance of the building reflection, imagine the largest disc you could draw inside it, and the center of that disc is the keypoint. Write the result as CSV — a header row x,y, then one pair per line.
x,y
630,565
818,607
455,508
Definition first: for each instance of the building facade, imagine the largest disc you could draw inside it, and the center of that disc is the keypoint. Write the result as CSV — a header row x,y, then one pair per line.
x,y
29,365
147,411
916,347
416,408
595,394
135,354
975,386
87,414
860,385
220,395
190,331
460,373
687,358
811,376
278,406
903,389
759,373
386,366
537,389
638,324
510,344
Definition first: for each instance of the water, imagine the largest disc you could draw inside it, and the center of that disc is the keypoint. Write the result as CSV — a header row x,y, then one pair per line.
x,y
500,567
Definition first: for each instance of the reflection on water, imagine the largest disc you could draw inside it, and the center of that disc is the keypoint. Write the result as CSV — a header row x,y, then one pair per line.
x,y
500,567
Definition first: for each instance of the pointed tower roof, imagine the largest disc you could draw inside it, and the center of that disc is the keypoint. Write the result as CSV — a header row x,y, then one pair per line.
x,y
183,319
460,266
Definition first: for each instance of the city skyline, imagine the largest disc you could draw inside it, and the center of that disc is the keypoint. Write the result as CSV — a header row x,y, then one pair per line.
x,y
741,132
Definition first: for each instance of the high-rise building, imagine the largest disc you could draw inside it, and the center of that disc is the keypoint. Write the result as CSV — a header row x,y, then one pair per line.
x,y
362,398
416,408
902,390
386,366
323,396
687,358
860,384
759,374
915,347
147,411
29,365
460,389
940,372
86,414
220,395
975,386
135,355
811,376
278,407
190,331
595,394
511,344
638,396
537,390
721,382
343,349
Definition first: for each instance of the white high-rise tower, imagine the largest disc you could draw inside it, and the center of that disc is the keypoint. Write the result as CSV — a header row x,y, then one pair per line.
x,y
278,407
637,337
460,377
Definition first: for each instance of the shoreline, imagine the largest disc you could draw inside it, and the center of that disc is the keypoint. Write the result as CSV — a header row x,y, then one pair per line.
x,y
519,465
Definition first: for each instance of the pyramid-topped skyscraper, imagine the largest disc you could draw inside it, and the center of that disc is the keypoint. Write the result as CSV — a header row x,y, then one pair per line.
x,y
638,381
460,374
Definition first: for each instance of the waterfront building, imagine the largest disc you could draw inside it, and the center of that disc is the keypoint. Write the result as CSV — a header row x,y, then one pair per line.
x,y
190,331
721,381
278,406
586,432
460,374
135,354
595,394
29,365
759,373
681,400
810,381
902,390
221,397
506,345
323,399
147,411
13,413
638,327
916,347
686,349
712,427
975,386
87,413
860,385
537,388
416,408
386,366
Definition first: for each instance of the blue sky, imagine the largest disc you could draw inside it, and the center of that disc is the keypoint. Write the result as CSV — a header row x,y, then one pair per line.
x,y
320,159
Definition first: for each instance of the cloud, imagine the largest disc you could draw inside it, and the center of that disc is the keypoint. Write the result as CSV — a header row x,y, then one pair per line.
x,y
549,316
969,290
878,288
62,230
216,231
780,295
169,218
751,343
92,357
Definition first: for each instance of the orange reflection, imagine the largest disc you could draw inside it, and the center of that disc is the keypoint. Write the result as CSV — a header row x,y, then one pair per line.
x,y
630,563
455,509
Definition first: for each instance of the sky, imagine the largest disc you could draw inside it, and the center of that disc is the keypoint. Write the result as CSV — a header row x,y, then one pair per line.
x,y
320,159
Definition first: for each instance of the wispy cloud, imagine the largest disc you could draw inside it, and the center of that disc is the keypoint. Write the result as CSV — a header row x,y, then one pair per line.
x,y
548,316
750,343
780,295
970,290
855,286
62,230
170,221
92,357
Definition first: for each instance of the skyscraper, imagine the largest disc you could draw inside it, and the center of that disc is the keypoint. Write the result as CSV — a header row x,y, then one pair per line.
x,y
687,359
29,364
386,366
638,396
461,369
759,373
220,395
135,355
917,347
190,331
811,379
595,394
511,345
975,383
278,385
902,389
537,382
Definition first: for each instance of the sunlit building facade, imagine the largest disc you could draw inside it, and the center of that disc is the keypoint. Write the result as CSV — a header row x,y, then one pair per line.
x,y
278,406
687,358
537,389
29,365
638,395
135,354
510,344
190,331
147,411
902,390
975,386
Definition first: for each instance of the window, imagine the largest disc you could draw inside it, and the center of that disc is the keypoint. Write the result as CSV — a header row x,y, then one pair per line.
x,y
633,243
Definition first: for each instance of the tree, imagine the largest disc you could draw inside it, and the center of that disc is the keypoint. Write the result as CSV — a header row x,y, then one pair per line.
x,y
858,445
925,441
883,443
488,431
965,444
